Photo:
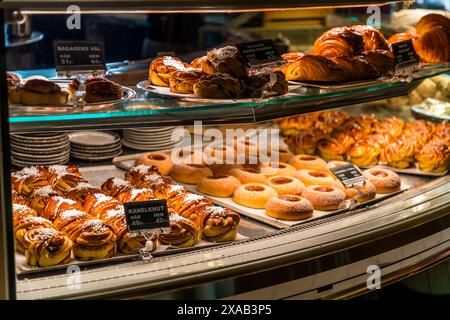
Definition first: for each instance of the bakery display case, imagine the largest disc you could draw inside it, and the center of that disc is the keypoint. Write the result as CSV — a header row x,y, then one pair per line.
x,y
297,150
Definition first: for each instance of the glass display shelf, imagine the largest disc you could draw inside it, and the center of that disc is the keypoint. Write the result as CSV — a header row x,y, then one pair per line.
x,y
148,110
167,6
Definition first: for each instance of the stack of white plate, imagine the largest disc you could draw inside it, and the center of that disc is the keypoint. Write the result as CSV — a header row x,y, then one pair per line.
x,y
94,145
158,138
39,149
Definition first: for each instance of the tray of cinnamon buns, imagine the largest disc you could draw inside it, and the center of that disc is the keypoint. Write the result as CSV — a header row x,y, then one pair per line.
x,y
60,218
220,76
418,147
295,189
39,92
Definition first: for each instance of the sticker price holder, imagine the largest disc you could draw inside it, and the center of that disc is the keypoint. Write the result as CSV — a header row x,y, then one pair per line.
x,y
349,175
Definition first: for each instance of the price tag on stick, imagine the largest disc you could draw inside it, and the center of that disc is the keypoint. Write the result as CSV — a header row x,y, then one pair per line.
x,y
349,175
79,56
405,56
259,54
146,216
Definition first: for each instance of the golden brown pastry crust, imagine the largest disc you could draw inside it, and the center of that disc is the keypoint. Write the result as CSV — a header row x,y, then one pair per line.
x,y
161,67
183,81
219,86
315,68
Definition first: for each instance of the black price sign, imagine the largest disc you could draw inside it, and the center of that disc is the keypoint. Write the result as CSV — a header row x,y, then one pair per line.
x,y
79,55
260,53
404,53
349,175
146,215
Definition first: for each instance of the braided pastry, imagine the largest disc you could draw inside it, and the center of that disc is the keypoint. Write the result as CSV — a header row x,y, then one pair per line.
x,y
26,224
421,131
442,130
81,191
365,153
55,205
137,174
335,145
135,195
434,156
98,203
218,224
393,126
115,186
292,125
38,196
327,121
400,153
28,179
188,205
67,217
21,211
305,141
19,199
92,239
46,247
183,232
161,67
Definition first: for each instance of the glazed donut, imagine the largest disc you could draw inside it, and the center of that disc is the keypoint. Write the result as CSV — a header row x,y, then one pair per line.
x,y
304,161
190,173
278,169
286,184
384,180
284,154
325,198
314,177
289,207
362,193
254,195
218,186
248,175
158,159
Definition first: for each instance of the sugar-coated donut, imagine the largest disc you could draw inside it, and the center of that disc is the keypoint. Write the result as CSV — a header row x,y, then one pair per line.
x,y
277,168
158,159
190,173
325,198
362,193
289,207
286,185
219,185
305,161
314,177
384,180
254,195
248,175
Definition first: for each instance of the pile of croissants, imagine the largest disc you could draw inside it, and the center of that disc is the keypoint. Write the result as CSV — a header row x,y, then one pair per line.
x,y
361,52
367,141
58,215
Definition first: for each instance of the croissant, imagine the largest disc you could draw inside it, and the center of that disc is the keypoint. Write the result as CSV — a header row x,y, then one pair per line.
x,y
426,47
92,239
434,156
28,179
135,195
126,244
356,67
38,196
399,37
373,39
67,217
400,153
365,153
305,141
431,21
114,186
335,145
339,41
55,205
21,211
393,126
46,247
26,224
183,232
315,68
382,61
98,203
218,224
292,56
81,191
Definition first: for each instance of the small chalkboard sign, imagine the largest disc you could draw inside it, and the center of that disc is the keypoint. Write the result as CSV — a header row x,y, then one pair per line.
x,y
261,53
404,53
146,215
79,55
349,175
